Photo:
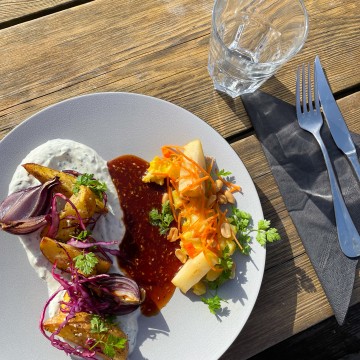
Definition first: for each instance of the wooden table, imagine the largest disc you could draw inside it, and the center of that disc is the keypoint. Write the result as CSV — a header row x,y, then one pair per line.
x,y
52,50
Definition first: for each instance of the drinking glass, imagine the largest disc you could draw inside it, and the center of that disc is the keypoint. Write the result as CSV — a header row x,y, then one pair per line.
x,y
251,39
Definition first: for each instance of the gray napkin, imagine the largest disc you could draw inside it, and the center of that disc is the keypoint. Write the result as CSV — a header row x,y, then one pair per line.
x,y
300,172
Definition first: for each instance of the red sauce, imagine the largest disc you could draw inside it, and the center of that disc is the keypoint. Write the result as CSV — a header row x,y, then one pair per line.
x,y
147,257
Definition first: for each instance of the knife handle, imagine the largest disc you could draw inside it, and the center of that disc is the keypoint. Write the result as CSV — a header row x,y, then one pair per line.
x,y
355,163
348,235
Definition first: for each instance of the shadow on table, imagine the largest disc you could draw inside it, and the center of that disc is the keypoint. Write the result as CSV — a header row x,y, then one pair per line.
x,y
284,280
283,284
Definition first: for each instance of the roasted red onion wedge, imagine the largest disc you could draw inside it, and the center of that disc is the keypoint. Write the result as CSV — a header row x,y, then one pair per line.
x,y
116,294
104,294
24,226
23,211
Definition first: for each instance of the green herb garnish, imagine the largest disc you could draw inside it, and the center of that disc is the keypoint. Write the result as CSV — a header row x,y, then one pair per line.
x,y
223,173
241,221
86,262
97,187
98,324
214,303
110,343
83,235
163,219
226,264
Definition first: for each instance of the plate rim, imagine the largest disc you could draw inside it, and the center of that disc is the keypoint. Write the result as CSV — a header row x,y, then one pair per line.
x,y
26,122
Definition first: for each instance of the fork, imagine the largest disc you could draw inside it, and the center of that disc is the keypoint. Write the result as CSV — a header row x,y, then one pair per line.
x,y
310,119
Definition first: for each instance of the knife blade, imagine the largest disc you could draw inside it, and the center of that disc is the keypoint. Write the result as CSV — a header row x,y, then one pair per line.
x,y
338,129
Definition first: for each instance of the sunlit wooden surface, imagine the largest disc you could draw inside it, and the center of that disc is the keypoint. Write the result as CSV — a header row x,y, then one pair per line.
x,y
54,50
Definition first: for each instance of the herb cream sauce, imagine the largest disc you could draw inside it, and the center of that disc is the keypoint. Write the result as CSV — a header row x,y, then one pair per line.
x,y
62,154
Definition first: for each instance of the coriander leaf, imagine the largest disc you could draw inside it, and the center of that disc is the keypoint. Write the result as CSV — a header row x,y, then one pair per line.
x,y
86,262
222,172
98,324
154,216
241,221
265,234
109,350
226,264
109,343
83,235
272,235
214,303
113,342
118,343
97,187
263,224
163,219
261,237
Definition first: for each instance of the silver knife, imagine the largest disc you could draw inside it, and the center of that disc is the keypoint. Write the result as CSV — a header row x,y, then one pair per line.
x,y
334,119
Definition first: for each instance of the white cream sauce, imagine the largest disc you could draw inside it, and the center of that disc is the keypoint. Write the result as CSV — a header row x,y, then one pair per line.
x,y
70,155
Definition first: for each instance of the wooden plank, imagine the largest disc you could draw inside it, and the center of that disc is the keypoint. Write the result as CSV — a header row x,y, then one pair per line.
x,y
11,11
163,55
327,340
290,286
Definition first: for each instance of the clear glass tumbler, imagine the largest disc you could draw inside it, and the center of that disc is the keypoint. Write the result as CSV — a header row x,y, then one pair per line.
x,y
251,39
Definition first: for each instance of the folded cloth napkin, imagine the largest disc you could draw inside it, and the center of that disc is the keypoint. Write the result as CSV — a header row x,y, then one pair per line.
x,y
299,169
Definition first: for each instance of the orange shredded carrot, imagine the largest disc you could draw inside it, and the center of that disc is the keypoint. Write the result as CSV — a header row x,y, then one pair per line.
x,y
196,216
232,187
171,200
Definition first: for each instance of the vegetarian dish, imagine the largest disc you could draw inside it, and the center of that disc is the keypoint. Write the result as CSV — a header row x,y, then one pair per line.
x,y
178,227
198,216
69,223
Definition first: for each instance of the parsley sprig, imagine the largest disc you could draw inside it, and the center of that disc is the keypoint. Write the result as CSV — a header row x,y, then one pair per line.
x,y
83,235
99,324
225,264
97,187
241,221
223,173
110,343
213,303
86,262
163,219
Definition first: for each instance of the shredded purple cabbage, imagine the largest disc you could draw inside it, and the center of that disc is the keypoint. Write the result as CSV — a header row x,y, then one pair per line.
x,y
105,294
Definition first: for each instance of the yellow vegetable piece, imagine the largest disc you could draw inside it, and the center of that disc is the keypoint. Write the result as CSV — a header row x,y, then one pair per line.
x,y
159,169
67,181
194,151
193,271
60,253
78,331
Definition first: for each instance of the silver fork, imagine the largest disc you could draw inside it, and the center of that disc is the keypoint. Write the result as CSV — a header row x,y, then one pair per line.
x,y
310,119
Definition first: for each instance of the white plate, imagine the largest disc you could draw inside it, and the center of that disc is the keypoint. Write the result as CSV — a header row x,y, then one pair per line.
x,y
114,124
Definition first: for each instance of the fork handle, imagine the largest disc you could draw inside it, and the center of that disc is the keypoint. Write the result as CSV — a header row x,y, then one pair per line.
x,y
349,238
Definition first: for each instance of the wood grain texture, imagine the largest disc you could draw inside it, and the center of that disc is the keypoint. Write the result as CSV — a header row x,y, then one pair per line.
x,y
291,298
11,10
159,50
327,340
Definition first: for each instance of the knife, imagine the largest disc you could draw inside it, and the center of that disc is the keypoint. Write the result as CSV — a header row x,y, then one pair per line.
x,y
334,119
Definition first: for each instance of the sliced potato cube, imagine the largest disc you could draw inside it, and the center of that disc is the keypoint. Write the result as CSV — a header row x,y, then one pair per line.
x,y
78,331
43,174
193,271
67,181
85,204
194,151
60,253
